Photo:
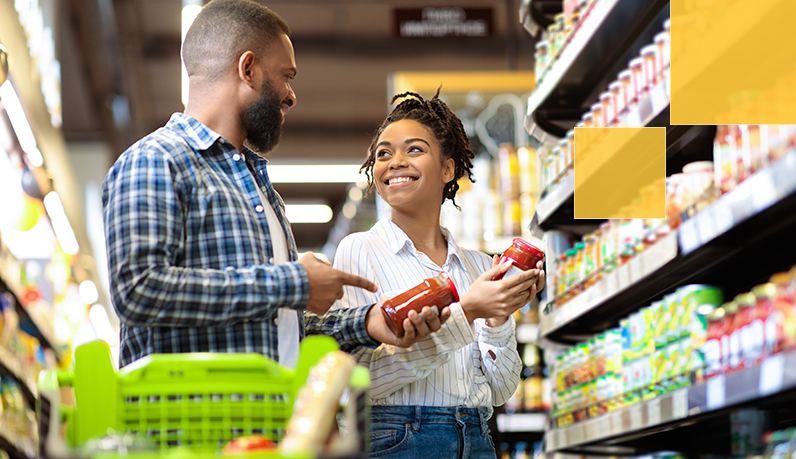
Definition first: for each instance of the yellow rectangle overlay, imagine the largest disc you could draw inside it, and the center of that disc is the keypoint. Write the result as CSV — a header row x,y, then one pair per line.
x,y
733,62
620,172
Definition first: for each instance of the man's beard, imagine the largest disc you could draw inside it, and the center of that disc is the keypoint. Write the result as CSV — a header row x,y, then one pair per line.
x,y
263,121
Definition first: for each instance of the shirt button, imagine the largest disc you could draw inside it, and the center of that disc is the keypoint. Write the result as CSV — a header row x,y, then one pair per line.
x,y
276,321
258,208
271,260
236,157
461,375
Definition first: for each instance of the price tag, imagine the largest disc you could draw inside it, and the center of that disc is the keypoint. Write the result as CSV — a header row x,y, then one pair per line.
x,y
689,239
633,118
715,392
658,98
635,266
635,417
623,277
722,216
704,224
765,193
616,423
644,111
771,373
654,411
680,404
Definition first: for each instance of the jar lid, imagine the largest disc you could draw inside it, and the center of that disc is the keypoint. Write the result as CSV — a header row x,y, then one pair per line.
x,y
661,36
636,62
615,85
450,283
745,299
781,278
730,307
580,246
649,49
527,246
571,252
767,290
625,74
605,96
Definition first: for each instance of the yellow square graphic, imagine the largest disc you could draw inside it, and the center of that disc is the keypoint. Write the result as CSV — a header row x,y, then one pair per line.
x,y
733,62
620,172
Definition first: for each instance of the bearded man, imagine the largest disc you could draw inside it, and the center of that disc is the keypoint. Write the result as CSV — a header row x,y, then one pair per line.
x,y
201,255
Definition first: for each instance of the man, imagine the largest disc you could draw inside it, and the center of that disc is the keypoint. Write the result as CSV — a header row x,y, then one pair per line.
x,y
201,255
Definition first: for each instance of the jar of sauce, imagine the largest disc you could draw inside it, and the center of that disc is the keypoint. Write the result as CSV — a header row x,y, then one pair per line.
x,y
523,255
435,291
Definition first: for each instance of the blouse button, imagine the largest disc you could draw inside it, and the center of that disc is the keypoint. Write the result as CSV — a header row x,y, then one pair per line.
x,y
258,208
236,157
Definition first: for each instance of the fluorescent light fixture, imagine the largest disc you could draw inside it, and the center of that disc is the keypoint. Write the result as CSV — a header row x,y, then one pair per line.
x,y
88,292
61,226
315,173
355,194
190,9
308,213
19,121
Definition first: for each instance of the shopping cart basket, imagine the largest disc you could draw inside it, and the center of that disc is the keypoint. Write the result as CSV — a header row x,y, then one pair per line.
x,y
198,401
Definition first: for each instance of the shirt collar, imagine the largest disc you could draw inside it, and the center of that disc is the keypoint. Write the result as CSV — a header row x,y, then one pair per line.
x,y
198,136
397,240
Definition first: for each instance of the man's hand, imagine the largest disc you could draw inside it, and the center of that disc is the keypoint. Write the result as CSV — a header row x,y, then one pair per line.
x,y
326,283
416,326
499,299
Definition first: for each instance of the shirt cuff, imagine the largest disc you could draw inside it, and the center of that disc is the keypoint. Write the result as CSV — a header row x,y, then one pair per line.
x,y
460,328
499,336
292,285
360,316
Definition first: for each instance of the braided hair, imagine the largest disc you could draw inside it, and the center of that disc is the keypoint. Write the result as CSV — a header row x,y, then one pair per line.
x,y
435,115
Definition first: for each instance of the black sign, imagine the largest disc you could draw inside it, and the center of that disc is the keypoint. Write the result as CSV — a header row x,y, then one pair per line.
x,y
443,22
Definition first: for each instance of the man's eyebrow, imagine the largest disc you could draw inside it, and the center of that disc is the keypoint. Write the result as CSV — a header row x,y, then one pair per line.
x,y
293,71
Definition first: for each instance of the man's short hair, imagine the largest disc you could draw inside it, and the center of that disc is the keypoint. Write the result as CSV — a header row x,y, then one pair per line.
x,y
224,30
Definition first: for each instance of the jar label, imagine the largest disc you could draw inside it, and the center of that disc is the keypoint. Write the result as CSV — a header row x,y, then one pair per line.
x,y
513,271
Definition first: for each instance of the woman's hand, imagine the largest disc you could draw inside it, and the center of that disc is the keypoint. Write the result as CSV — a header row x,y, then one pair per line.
x,y
416,326
497,300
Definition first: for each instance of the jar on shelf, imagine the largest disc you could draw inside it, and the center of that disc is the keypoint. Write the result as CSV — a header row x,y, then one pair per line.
x,y
590,260
649,54
620,102
597,115
542,61
608,245
563,147
561,275
639,78
571,270
587,119
580,261
626,79
609,112
571,147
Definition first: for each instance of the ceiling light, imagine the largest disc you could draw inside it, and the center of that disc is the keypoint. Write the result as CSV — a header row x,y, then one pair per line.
x,y
314,173
88,291
308,213
19,121
60,222
355,193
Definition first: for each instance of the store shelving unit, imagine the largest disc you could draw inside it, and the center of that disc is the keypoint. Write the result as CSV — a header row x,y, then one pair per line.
x,y
522,422
17,447
11,366
700,405
612,32
747,228
735,242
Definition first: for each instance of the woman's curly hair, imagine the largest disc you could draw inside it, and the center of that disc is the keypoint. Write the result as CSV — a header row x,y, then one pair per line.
x,y
446,127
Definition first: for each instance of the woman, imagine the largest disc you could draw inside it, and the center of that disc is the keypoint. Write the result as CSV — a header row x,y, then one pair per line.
x,y
436,396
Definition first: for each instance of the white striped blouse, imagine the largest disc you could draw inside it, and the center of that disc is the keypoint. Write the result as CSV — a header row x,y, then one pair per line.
x,y
461,364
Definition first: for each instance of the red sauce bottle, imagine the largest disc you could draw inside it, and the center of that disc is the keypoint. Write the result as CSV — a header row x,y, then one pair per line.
x,y
435,291
523,255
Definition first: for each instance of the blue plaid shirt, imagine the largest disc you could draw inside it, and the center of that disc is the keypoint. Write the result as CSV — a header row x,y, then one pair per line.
x,y
190,254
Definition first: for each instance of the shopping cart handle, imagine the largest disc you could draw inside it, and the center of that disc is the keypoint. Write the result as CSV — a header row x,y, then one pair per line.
x,y
66,378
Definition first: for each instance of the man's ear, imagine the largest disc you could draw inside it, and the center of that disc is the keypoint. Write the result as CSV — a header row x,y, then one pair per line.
x,y
247,68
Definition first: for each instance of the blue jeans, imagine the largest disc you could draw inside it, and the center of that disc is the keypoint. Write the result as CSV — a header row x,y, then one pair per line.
x,y
420,432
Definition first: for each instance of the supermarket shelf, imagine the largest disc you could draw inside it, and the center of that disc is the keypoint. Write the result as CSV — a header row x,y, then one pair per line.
x,y
527,333
736,242
616,293
44,332
683,145
522,422
610,35
764,386
754,196
17,447
11,366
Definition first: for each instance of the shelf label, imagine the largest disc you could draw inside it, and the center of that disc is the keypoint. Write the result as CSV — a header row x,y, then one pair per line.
x,y
704,224
654,411
771,375
636,271
715,392
616,423
680,404
635,417
623,277
689,239
765,193
658,98
722,216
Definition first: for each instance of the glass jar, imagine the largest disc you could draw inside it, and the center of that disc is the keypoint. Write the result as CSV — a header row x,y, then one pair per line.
x,y
597,115
620,102
649,54
626,79
522,255
580,262
436,292
609,113
640,85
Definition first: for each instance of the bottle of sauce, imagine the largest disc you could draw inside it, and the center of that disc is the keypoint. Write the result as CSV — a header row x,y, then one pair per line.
x,y
436,291
711,350
733,355
752,330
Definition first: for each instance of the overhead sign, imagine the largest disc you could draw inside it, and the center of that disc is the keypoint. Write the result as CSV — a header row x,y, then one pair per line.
x,y
431,22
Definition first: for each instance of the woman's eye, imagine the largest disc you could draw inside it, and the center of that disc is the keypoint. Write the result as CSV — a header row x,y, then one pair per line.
x,y
415,149
382,153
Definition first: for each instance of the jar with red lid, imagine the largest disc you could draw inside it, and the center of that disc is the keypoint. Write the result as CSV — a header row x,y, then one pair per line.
x,y
436,291
522,255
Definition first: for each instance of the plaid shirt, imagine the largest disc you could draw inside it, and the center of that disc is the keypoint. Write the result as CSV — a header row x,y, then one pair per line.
x,y
190,254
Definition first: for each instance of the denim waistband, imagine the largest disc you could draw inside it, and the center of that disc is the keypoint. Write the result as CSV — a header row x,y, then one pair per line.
x,y
418,415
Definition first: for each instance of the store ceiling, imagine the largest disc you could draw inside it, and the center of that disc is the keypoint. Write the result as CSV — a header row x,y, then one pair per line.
x,y
125,53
